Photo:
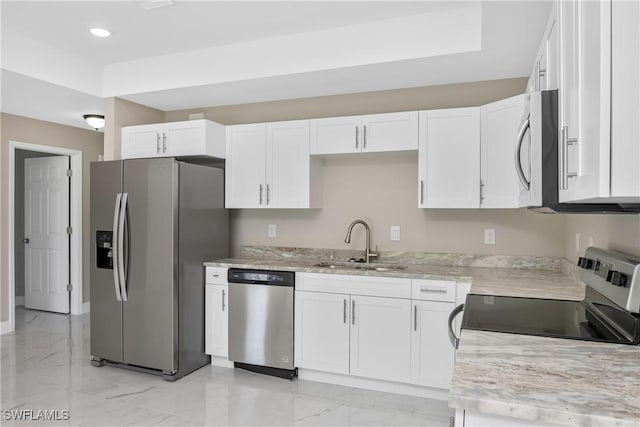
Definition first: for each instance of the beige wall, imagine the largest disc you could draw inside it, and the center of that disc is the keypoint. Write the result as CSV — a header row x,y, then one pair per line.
x,y
382,189
119,113
22,129
616,232
422,98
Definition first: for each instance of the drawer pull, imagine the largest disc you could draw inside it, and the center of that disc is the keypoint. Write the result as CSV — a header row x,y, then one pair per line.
x,y
434,290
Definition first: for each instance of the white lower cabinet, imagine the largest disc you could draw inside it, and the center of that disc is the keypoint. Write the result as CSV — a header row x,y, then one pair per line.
x,y
216,342
398,333
322,331
432,354
381,338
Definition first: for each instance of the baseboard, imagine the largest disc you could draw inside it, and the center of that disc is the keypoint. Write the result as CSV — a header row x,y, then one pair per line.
x,y
5,327
221,361
371,384
19,300
86,307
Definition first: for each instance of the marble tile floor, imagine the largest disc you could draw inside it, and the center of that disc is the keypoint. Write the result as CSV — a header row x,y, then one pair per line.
x,y
45,366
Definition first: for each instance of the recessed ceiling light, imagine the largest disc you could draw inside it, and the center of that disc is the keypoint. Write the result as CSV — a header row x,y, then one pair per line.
x,y
100,32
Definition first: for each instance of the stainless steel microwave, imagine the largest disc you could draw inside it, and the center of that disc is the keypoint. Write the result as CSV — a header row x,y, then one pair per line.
x,y
536,160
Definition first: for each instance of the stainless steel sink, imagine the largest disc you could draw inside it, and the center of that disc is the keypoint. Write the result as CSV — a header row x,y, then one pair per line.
x,y
360,266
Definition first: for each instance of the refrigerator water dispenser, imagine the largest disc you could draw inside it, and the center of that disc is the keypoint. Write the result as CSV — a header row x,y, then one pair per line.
x,y
104,252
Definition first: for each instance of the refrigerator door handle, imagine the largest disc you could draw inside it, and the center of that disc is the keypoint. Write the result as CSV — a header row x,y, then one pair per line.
x,y
116,277
121,264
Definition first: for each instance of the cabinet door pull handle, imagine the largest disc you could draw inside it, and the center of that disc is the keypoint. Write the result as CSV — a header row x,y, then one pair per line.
x,y
223,300
356,137
415,317
157,143
421,191
260,194
364,136
267,194
564,153
353,312
344,311
434,290
164,142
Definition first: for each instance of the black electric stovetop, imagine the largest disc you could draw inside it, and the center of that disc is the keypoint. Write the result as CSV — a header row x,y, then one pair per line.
x,y
592,319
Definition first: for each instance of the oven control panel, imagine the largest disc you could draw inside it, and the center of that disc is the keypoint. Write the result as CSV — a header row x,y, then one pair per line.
x,y
614,275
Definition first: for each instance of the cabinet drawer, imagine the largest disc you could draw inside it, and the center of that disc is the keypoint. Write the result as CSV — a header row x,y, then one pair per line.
x,y
215,275
391,287
433,290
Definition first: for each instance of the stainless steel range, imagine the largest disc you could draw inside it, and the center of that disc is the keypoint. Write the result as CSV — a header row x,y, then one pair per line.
x,y
608,313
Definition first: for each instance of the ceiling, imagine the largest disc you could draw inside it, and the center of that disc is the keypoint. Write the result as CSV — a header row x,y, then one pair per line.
x,y
203,53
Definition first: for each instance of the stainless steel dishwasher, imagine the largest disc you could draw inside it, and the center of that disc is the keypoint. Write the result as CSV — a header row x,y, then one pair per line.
x,y
261,321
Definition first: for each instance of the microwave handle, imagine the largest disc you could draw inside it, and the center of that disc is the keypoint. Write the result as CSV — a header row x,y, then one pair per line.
x,y
523,129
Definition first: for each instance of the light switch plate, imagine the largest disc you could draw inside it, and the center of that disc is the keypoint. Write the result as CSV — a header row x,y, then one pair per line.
x,y
271,230
489,236
395,233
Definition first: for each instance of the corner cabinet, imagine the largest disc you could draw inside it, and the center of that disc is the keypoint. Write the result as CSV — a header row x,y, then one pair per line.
x,y
216,312
499,126
365,134
599,101
176,139
465,157
268,166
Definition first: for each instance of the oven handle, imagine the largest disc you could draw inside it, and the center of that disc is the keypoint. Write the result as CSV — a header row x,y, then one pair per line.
x,y
455,341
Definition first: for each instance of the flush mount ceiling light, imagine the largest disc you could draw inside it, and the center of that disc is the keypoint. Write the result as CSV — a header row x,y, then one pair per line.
x,y
100,32
156,4
96,121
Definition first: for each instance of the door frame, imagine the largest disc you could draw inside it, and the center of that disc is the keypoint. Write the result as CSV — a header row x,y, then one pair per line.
x,y
75,214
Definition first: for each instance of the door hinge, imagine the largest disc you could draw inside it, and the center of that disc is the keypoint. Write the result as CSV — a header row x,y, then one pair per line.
x,y
69,287
69,230
69,172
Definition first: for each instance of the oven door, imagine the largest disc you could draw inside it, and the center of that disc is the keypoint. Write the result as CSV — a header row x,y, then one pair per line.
x,y
528,153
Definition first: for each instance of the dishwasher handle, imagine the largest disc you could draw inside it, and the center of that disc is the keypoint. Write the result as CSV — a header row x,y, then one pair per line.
x,y
455,340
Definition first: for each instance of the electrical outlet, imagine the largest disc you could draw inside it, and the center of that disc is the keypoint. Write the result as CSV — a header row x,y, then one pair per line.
x,y
489,236
271,230
592,241
577,242
395,233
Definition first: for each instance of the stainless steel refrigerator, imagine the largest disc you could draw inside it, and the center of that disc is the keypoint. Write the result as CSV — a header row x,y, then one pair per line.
x,y
153,223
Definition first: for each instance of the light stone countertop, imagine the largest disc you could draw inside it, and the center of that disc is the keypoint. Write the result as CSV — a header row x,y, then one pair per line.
x,y
520,282
550,380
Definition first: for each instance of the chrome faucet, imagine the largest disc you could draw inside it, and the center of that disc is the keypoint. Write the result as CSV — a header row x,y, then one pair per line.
x,y
367,252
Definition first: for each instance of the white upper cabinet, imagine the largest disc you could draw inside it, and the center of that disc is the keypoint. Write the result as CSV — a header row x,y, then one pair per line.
x,y
599,101
370,133
186,138
449,158
245,166
268,166
336,135
545,73
390,132
499,126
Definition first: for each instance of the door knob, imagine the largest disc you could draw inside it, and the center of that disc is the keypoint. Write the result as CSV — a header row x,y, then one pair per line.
x,y
25,240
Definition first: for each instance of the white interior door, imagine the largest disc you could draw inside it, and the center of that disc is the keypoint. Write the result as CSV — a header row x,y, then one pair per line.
x,y
46,239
